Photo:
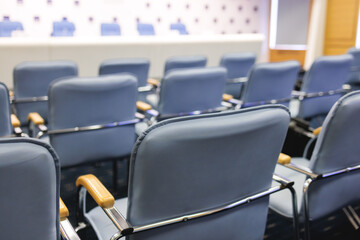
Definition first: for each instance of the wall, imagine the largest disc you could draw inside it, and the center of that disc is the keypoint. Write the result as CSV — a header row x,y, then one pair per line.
x,y
200,16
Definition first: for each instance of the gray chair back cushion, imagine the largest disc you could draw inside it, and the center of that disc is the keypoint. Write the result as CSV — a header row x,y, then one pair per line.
x,y
29,189
5,126
81,102
139,67
337,148
238,64
197,163
354,76
190,90
326,73
32,79
184,62
268,81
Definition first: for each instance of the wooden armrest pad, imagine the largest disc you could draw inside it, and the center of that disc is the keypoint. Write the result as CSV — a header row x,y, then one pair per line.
x,y
227,97
15,121
11,93
317,131
284,159
64,212
153,82
35,118
97,190
143,106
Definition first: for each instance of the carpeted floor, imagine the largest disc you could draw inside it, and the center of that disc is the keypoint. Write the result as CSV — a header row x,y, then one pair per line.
x,y
334,227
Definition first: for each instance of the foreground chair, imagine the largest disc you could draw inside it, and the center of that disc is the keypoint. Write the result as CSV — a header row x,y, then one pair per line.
x,y
29,200
329,180
184,62
327,73
31,84
238,66
270,83
197,177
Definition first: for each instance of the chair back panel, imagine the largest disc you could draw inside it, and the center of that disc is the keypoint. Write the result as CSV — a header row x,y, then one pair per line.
x,y
179,27
7,27
326,73
5,126
188,90
29,187
145,29
191,164
184,62
268,81
63,29
238,64
110,29
354,77
32,79
81,102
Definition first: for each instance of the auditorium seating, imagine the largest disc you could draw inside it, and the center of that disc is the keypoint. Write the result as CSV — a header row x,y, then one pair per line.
x,y
7,27
9,123
328,180
180,27
195,166
63,28
184,62
238,66
110,29
145,29
29,204
354,78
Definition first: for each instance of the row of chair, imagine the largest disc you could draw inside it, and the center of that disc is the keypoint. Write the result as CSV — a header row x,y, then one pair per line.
x,y
66,28
179,184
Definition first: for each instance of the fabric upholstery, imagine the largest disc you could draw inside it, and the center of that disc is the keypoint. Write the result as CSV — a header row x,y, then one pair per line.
x,y
268,81
7,27
145,29
326,73
63,28
32,79
80,102
238,65
110,29
188,90
354,76
5,126
184,62
180,27
29,186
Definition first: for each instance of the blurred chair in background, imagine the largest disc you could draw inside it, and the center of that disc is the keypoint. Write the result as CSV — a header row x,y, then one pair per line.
x,y
63,28
238,66
110,29
145,29
7,27
180,27
184,62
354,78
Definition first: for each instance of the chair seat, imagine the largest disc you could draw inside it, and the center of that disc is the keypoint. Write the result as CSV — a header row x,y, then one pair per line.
x,y
279,202
101,223
140,128
153,100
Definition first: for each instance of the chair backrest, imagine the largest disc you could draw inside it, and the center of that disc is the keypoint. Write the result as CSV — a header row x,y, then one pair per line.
x,y
63,29
110,29
5,111
337,148
82,102
179,27
6,28
139,67
184,62
198,89
145,29
268,81
32,79
29,202
191,164
326,73
355,71
238,64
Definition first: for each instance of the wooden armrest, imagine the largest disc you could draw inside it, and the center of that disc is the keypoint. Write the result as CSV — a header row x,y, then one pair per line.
x,y
64,212
153,82
11,93
284,159
143,106
35,118
15,121
97,190
317,131
227,97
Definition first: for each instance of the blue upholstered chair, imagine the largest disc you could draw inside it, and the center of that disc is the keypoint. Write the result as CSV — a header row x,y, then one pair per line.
x,y
29,202
7,27
31,84
177,171
5,111
270,81
328,181
179,27
145,29
110,29
63,28
327,73
184,62
238,66
354,78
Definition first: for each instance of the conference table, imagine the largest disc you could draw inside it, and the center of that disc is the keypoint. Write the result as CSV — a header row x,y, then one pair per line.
x,y
89,52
